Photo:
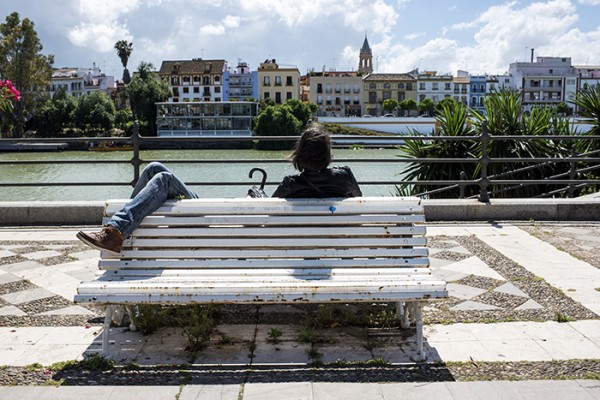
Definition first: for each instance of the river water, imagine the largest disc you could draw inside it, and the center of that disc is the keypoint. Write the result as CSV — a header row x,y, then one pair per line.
x,y
109,173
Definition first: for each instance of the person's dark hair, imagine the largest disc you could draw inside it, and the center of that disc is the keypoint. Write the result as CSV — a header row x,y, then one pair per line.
x,y
313,150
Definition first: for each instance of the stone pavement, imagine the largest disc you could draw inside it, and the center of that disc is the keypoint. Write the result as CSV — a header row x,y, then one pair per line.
x,y
524,305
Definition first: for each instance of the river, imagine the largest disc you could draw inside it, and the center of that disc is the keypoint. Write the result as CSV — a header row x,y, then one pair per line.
x,y
238,172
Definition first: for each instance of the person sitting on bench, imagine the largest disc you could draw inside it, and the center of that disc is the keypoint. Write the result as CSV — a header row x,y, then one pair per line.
x,y
311,157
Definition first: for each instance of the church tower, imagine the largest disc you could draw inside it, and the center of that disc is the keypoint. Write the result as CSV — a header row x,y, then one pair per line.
x,y
365,58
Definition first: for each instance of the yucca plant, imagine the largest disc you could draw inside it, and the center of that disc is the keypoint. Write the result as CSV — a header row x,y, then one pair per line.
x,y
452,122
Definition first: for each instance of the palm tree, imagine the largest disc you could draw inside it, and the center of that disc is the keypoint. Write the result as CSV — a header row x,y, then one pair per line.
x,y
124,50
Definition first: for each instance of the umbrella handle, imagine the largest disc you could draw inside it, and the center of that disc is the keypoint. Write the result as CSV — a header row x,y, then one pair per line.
x,y
263,172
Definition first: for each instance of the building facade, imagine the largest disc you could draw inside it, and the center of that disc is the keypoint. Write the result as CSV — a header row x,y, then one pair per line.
x,y
544,82
379,87
240,84
277,83
436,87
80,81
336,93
194,80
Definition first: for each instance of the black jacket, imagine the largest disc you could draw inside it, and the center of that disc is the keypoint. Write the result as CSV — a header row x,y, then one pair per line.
x,y
330,182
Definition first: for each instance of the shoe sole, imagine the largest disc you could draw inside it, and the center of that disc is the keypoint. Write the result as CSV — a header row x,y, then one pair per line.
x,y
92,245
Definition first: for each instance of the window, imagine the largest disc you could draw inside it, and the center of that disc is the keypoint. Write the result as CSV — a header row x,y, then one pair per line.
x,y
206,80
372,86
319,88
278,81
328,88
356,88
278,97
482,88
175,80
434,86
409,86
401,86
186,80
401,96
267,95
337,88
328,100
447,86
288,81
372,97
319,99
338,101
217,79
288,95
346,100
387,95
267,81
387,86
346,88
422,86
218,89
196,79
356,100
186,90
196,89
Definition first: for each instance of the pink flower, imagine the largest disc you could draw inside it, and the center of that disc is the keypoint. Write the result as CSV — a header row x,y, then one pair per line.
x,y
8,93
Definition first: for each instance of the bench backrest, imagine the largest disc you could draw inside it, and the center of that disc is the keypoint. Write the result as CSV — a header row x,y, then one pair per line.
x,y
369,235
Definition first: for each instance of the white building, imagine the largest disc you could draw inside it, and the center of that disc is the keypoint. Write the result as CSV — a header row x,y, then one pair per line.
x,y
80,81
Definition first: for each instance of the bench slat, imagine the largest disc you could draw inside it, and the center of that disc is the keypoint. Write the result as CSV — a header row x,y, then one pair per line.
x,y
272,206
268,243
273,220
260,254
280,231
210,264
232,273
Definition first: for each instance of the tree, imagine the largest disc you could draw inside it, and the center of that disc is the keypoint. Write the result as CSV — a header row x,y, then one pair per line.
x,y
445,102
300,109
22,63
124,50
95,111
144,91
426,107
408,105
276,121
390,105
54,115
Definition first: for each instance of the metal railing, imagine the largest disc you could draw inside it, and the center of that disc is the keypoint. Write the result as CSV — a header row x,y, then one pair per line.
x,y
570,180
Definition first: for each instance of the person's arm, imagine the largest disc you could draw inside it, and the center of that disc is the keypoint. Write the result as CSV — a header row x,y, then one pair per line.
x,y
355,189
283,190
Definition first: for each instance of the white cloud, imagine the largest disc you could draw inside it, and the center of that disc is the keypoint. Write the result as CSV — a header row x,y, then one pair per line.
x,y
99,37
414,35
592,2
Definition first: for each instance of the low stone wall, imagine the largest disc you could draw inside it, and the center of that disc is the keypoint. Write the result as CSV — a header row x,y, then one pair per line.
x,y
56,213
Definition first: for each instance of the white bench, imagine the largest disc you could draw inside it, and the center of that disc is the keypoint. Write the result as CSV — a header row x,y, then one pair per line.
x,y
269,250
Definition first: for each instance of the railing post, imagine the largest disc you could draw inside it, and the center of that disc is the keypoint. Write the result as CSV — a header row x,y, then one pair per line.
x,y
572,172
484,182
135,160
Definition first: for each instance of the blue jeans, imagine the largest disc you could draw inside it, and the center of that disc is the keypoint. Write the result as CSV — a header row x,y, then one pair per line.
x,y
156,184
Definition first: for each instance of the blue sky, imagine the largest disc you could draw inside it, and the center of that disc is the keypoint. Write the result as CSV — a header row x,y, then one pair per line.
x,y
445,36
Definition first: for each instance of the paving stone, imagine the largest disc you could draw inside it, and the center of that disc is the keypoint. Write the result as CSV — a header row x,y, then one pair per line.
x,y
470,305
529,305
210,392
542,390
278,391
12,310
416,391
26,296
511,289
19,267
463,291
328,391
568,349
72,310
474,266
38,255
515,350
8,278
6,253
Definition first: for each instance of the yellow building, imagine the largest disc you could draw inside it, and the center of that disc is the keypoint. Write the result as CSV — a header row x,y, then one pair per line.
x,y
276,83
379,87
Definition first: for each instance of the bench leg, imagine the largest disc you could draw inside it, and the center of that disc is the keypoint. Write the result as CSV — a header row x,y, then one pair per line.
x,y
105,332
420,355
404,311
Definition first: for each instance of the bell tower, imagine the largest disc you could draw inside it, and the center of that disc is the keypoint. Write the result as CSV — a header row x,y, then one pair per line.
x,y
365,58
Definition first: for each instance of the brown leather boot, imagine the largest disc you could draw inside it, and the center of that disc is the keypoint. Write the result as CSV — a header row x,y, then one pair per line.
x,y
108,239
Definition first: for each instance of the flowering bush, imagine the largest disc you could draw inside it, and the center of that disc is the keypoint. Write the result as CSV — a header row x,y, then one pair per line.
x,y
8,93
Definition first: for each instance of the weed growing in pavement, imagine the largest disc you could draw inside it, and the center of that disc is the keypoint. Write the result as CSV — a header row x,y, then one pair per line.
x,y
315,357
33,367
274,335
197,322
560,317
307,334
